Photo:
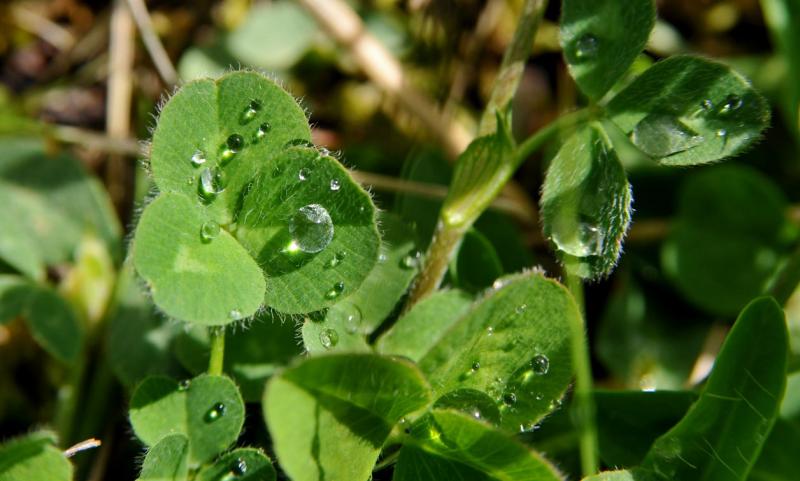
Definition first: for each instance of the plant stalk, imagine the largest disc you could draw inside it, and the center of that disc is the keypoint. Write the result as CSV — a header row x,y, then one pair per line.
x,y
583,409
216,359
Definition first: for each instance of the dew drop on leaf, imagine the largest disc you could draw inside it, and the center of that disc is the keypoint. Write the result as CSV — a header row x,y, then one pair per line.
x,y
239,467
235,314
382,257
212,182
216,412
335,291
521,308
732,102
251,111
263,130
233,145
209,231
540,364
489,331
336,259
660,135
353,317
586,47
304,174
476,365
184,385
411,261
328,338
311,228
198,158
707,105
335,185
509,398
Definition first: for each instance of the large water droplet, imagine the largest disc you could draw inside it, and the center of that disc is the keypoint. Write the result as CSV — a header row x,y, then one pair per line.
x,y
660,135
335,291
251,111
732,102
585,239
328,338
212,182
540,364
353,318
209,231
215,412
198,158
586,47
335,185
311,228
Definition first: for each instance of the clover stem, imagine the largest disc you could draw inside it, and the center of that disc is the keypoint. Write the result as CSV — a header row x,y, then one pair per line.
x,y
583,408
217,340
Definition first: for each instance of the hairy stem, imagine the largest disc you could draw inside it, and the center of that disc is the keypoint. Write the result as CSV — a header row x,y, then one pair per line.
x,y
583,402
216,336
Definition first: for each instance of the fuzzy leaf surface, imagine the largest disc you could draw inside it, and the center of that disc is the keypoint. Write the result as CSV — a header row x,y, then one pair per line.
x,y
688,110
244,464
330,415
167,460
33,457
601,39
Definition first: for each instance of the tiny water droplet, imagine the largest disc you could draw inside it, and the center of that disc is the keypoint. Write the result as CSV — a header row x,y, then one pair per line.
x,y
539,396
411,261
239,467
335,291
382,257
540,364
263,130
251,111
184,385
476,365
328,338
209,231
335,185
521,308
336,259
707,105
324,152
216,412
489,331
311,228
304,174
212,182
722,133
198,158
235,314
586,47
509,398
732,102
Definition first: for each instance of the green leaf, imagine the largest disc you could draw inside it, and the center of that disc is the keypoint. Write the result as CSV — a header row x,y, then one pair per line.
x,y
513,345
688,110
33,457
727,240
245,464
602,38
202,118
722,435
628,422
621,475
451,445
330,415
778,460
53,324
139,341
586,203
209,411
253,352
421,328
193,279
273,35
311,228
783,19
476,265
166,460
13,296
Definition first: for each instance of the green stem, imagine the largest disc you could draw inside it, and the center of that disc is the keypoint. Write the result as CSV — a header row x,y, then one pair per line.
x,y
583,402
217,357
546,133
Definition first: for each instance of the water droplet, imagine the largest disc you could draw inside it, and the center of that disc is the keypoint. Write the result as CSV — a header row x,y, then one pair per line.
x,y
328,338
540,364
732,102
707,105
216,412
509,398
476,365
538,396
722,133
198,158
471,401
521,308
304,173
311,228
335,185
352,320
263,130
209,230
586,47
239,467
489,331
411,261
382,257
336,259
251,111
661,135
235,314
335,291
184,385
235,142
323,152
212,182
